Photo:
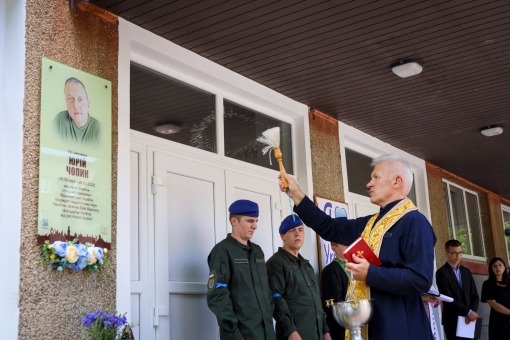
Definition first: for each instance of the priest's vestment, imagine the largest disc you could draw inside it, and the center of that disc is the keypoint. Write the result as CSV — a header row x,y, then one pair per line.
x,y
407,256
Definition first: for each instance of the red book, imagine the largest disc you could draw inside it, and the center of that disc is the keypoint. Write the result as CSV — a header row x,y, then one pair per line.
x,y
361,249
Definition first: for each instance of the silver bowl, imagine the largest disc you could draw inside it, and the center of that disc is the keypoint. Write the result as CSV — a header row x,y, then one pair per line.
x,y
352,315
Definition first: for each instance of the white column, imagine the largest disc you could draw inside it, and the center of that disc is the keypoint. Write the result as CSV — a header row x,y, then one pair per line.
x,y
12,71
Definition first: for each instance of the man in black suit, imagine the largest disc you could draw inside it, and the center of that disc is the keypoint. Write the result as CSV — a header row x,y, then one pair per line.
x,y
457,282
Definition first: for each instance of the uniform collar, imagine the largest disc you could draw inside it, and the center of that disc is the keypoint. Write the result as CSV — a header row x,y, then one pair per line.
x,y
237,243
290,256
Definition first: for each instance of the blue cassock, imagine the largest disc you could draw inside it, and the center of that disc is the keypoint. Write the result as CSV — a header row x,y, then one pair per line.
x,y
407,256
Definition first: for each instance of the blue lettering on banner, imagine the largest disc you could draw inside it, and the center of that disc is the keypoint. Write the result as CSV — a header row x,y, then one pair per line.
x,y
330,255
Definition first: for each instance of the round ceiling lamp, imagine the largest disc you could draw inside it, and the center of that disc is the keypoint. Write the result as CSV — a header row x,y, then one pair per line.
x,y
168,129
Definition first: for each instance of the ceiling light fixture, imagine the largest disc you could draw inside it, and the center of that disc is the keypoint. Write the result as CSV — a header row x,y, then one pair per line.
x,y
407,68
168,129
491,130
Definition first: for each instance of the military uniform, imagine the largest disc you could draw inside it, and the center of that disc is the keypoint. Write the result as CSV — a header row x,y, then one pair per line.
x,y
238,292
296,296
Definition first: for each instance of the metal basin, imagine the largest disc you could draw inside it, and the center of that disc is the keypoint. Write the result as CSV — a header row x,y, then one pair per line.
x,y
352,315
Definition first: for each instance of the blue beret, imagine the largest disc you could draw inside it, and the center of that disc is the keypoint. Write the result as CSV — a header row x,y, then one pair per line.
x,y
245,208
290,222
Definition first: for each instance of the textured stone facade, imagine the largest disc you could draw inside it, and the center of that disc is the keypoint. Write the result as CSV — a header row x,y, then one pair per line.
x,y
325,151
50,303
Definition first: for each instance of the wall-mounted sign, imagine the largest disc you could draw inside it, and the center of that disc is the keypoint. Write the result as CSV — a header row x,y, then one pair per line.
x,y
334,209
75,166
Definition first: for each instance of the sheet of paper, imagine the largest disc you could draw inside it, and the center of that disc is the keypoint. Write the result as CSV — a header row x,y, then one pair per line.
x,y
445,298
463,330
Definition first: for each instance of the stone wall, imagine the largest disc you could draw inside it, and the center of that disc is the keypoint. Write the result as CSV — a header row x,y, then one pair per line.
x,y
325,151
50,303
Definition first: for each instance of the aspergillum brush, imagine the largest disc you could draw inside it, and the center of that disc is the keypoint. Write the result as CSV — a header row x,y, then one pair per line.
x,y
271,138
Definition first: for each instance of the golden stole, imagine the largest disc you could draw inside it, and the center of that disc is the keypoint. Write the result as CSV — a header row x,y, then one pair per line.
x,y
374,235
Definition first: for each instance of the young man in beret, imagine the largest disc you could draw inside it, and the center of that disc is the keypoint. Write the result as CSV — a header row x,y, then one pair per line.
x,y
237,290
298,307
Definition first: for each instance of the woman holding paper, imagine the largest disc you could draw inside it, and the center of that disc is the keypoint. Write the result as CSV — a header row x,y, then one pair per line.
x,y
496,292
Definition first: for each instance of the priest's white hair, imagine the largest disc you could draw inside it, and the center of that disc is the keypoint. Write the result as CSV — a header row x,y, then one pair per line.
x,y
397,165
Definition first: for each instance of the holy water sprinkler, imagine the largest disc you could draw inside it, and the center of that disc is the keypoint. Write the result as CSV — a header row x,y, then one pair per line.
x,y
271,138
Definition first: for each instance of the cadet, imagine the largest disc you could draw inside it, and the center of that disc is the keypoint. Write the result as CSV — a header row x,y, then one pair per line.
x,y
298,307
238,291
334,286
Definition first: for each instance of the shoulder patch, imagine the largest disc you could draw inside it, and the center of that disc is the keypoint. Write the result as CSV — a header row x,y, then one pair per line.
x,y
239,261
211,283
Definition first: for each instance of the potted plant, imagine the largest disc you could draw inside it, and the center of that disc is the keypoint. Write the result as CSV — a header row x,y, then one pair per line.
x,y
105,325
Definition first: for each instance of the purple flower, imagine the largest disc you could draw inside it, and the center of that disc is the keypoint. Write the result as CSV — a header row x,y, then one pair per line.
x,y
89,318
60,248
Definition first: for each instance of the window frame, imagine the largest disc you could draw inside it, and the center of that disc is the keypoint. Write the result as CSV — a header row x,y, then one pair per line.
x,y
464,190
504,209
220,95
365,144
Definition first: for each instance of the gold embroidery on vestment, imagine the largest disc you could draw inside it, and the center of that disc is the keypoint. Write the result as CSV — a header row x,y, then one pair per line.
x,y
374,236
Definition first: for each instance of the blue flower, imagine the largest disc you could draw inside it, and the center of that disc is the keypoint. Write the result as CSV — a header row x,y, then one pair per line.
x,y
98,253
79,264
89,319
60,248
81,250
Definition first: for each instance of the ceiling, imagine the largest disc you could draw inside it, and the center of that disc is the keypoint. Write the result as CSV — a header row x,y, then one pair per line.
x,y
335,56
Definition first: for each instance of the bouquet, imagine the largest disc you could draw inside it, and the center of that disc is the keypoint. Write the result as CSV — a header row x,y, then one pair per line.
x,y
75,256
105,326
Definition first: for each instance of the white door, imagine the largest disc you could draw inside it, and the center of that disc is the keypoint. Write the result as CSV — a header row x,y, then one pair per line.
x,y
361,206
141,296
190,217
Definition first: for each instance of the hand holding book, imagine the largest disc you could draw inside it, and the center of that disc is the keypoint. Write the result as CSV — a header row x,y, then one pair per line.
x,y
361,249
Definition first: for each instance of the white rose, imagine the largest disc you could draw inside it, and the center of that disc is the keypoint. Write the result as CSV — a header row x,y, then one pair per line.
x,y
91,259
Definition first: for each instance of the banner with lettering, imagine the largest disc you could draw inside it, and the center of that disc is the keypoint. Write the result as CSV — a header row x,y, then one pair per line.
x,y
75,165
334,209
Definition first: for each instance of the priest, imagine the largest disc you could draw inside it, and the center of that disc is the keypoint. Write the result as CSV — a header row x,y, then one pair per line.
x,y
399,235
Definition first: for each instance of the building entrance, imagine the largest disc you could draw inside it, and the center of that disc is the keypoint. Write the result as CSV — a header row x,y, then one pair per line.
x,y
186,202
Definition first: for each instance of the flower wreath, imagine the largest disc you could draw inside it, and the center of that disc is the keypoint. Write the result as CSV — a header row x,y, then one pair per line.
x,y
75,256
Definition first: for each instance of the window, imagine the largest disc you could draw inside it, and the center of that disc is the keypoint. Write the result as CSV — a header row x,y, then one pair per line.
x,y
242,128
158,100
359,173
506,224
463,214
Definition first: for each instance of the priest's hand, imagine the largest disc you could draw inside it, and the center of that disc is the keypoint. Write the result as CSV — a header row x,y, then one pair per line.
x,y
295,193
430,298
327,336
359,268
294,336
